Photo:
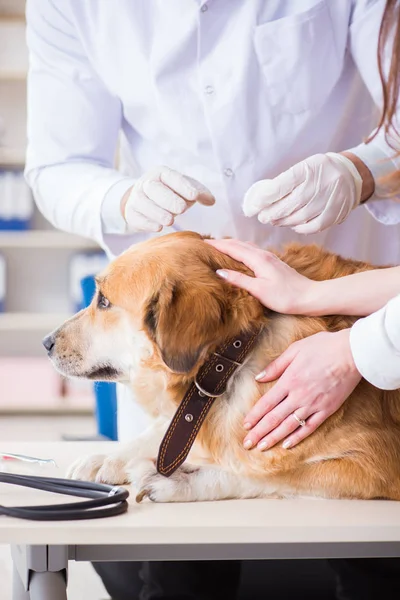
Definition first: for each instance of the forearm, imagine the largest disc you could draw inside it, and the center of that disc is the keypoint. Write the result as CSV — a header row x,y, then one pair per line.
x,y
360,294
368,185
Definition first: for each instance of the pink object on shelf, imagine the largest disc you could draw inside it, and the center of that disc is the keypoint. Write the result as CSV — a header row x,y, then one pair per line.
x,y
33,384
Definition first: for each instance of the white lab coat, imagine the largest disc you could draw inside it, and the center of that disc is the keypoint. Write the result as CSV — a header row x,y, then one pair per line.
x,y
226,92
375,345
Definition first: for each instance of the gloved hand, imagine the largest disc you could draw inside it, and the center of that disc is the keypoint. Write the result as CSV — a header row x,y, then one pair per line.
x,y
158,196
315,194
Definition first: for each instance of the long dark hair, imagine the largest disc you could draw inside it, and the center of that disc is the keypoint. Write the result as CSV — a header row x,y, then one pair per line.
x,y
390,34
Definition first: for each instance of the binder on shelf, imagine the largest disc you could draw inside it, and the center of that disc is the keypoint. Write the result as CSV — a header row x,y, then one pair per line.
x,y
16,202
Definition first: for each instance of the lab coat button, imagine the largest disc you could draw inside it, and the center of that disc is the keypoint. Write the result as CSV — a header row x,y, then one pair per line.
x,y
204,8
228,173
209,90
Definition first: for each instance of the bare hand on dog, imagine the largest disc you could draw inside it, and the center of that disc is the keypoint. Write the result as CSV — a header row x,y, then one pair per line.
x,y
276,285
315,377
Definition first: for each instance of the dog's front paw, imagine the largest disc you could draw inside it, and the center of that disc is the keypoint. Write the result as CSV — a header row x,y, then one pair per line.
x,y
158,488
101,469
86,468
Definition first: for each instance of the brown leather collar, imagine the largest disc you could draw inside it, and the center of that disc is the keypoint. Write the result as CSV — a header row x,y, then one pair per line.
x,y
210,383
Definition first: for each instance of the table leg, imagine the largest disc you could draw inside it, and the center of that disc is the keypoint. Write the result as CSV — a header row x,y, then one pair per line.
x,y
18,590
48,586
40,572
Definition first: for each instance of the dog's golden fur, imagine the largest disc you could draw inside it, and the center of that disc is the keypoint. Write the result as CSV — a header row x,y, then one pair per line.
x,y
167,291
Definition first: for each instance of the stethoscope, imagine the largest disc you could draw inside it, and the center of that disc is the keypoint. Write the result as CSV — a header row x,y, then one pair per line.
x,y
106,500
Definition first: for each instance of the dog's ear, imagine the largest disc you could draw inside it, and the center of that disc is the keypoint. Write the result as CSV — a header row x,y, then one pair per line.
x,y
183,319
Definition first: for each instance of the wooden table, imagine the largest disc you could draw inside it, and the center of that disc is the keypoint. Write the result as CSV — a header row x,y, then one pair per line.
x,y
235,529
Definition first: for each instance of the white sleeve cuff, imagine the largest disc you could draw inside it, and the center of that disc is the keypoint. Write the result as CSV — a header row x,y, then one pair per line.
x,y
374,345
111,218
82,198
378,157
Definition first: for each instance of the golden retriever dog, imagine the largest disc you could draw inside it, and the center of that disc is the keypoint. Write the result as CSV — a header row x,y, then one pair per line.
x,y
159,311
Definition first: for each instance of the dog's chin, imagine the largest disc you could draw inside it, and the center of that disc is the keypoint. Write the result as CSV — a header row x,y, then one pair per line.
x,y
103,373
100,372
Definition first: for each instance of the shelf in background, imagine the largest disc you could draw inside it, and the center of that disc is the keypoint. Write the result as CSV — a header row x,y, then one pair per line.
x,y
35,322
45,239
60,407
13,49
10,157
12,75
5,17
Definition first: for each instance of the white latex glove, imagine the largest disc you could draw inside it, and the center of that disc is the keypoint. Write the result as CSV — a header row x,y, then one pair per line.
x,y
315,194
158,196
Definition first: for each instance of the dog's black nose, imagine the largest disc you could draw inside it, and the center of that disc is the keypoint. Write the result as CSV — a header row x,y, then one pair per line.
x,y
49,342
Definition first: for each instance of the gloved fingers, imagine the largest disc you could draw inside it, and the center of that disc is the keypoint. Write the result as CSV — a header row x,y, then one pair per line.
x,y
140,203
135,221
303,213
267,192
164,197
159,195
344,212
330,215
320,223
311,196
204,196
150,209
313,226
324,218
286,208
189,189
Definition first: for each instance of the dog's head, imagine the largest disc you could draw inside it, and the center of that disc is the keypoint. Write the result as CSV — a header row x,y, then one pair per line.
x,y
159,304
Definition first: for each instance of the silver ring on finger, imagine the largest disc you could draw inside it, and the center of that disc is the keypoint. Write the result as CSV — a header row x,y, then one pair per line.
x,y
301,422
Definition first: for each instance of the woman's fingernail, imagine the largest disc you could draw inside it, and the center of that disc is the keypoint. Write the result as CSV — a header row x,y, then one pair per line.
x,y
247,425
222,273
286,444
262,445
260,375
248,444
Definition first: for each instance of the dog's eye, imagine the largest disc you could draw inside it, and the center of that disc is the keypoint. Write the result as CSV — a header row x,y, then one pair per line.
x,y
102,302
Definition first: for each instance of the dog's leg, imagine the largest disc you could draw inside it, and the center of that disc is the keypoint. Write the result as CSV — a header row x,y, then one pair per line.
x,y
192,483
115,468
346,477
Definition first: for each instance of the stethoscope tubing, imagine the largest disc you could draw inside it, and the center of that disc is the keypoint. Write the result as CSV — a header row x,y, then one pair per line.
x,y
105,500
